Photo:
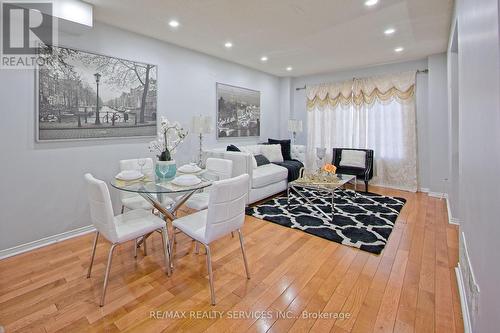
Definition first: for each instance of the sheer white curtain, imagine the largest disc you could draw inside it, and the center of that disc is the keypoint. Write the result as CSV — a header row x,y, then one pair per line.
x,y
376,113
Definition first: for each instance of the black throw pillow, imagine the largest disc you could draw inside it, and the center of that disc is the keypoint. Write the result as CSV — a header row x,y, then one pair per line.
x,y
285,147
232,148
261,160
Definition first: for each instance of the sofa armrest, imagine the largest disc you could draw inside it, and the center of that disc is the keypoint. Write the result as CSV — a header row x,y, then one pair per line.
x,y
298,152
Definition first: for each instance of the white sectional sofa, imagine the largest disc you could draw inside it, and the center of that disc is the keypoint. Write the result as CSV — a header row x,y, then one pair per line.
x,y
265,180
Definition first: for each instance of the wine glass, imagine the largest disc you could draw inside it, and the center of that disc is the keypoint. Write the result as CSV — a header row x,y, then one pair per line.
x,y
163,169
142,163
321,153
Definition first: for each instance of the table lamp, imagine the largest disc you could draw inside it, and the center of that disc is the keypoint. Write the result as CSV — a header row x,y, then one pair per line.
x,y
295,126
201,125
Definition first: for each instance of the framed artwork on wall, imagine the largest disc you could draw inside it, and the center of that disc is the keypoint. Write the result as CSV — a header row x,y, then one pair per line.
x,y
238,112
82,95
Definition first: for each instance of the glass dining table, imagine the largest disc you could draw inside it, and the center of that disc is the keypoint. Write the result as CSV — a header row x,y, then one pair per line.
x,y
155,191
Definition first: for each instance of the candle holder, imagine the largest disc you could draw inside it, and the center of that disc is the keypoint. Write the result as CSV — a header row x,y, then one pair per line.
x,y
321,153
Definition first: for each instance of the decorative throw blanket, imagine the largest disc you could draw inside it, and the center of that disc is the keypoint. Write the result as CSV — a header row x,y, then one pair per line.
x,y
293,167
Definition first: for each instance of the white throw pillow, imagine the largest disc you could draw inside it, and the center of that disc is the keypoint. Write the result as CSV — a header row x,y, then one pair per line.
x,y
272,153
253,149
254,161
353,158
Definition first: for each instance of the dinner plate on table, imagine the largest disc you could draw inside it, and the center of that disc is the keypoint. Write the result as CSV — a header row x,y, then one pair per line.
x,y
186,180
129,175
190,168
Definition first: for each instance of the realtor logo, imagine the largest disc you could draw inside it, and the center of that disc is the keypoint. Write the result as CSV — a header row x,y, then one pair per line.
x,y
25,27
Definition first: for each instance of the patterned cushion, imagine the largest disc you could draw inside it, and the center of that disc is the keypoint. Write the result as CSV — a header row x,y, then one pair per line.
x,y
261,160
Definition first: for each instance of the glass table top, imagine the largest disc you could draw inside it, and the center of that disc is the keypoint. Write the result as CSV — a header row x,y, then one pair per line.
x,y
150,184
328,182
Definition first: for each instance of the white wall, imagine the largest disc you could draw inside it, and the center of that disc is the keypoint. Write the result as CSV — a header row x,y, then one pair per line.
x,y
437,124
479,150
453,125
42,190
286,101
431,112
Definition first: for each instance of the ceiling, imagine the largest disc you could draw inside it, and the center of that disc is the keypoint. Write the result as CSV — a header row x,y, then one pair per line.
x,y
312,36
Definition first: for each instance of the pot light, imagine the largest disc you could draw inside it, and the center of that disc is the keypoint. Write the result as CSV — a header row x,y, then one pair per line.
x,y
389,31
289,68
370,3
173,23
263,59
399,49
228,45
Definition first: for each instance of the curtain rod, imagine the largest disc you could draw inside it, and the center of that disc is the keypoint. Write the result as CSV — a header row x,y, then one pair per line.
x,y
419,71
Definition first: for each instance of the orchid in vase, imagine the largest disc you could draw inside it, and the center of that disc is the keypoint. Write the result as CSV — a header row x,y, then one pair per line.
x,y
170,136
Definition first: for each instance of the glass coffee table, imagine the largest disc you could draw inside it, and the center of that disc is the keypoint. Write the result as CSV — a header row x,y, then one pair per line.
x,y
320,184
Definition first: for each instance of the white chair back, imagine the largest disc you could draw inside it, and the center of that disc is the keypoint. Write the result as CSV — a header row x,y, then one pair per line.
x,y
101,209
134,164
221,168
226,207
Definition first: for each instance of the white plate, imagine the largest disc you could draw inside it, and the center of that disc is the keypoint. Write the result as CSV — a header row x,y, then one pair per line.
x,y
189,168
186,180
129,175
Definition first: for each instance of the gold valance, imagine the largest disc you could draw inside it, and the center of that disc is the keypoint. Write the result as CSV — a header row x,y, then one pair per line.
x,y
362,91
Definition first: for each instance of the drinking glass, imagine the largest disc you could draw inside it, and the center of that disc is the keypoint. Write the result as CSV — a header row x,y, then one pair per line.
x,y
321,153
142,163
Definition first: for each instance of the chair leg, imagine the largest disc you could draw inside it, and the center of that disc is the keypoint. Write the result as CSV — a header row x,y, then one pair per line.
x,y
196,247
135,248
232,234
93,254
210,274
106,276
123,208
366,186
166,250
244,254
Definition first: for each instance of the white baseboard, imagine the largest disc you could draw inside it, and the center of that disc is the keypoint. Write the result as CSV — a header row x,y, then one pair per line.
x,y
45,241
438,195
423,190
463,300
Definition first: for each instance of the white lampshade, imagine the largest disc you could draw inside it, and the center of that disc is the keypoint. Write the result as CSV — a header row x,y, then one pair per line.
x,y
202,124
295,125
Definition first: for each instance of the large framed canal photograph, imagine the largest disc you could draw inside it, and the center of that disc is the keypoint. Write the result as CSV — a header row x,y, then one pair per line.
x,y
82,95
238,112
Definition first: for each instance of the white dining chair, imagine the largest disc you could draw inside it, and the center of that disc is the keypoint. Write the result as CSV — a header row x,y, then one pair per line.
x,y
225,214
219,169
133,200
121,228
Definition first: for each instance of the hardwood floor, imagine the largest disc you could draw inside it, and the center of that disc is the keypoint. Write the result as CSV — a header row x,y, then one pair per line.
x,y
410,287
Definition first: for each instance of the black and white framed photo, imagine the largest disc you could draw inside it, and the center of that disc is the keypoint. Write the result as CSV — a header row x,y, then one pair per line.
x,y
238,112
82,95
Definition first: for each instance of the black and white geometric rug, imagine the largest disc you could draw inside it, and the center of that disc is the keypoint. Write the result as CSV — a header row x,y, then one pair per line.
x,y
364,222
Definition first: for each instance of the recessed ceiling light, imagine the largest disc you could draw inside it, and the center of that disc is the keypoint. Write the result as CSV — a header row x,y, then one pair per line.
x,y
228,45
289,68
389,31
399,49
173,23
263,59
370,3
